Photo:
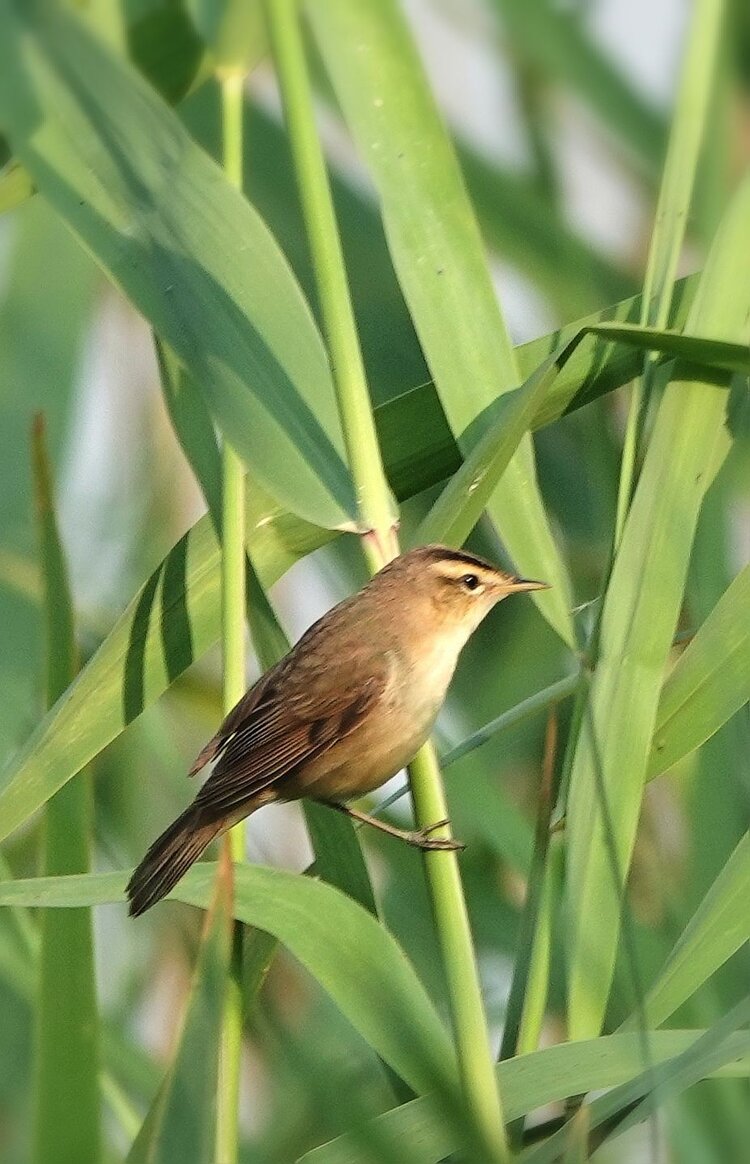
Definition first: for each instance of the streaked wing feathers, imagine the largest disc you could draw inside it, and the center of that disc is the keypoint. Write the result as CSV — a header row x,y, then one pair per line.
x,y
280,734
253,700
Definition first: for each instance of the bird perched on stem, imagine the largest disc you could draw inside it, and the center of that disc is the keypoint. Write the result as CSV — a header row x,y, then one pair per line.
x,y
348,707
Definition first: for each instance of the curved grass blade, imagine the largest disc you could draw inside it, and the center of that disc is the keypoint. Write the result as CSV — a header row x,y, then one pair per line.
x,y
460,505
634,1101
718,928
709,682
540,701
716,1050
345,949
687,447
66,1116
595,367
186,248
272,899
438,255
338,855
532,1081
702,351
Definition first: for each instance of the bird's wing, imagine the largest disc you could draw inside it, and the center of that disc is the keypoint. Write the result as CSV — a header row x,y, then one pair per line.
x,y
287,726
253,700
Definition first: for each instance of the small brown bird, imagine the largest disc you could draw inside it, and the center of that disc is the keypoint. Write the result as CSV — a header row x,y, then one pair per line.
x,y
339,715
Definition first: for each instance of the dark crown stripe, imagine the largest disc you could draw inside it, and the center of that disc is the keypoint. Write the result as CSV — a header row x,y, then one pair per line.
x,y
440,554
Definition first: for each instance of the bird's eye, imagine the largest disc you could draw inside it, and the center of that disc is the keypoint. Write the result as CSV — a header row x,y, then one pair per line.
x,y
470,581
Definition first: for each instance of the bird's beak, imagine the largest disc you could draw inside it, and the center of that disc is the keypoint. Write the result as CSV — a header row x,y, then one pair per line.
x,y
514,585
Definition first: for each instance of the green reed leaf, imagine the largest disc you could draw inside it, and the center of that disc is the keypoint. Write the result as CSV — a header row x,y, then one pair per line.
x,y
192,255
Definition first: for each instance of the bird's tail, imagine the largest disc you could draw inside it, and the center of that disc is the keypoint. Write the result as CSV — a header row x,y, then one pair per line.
x,y
169,858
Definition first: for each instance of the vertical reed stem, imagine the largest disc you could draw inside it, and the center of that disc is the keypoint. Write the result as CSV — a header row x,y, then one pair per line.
x,y
377,523
234,683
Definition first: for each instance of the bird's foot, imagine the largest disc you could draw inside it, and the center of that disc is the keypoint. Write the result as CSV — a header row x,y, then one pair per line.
x,y
421,839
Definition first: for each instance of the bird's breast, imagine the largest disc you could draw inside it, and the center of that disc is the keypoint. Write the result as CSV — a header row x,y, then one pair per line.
x,y
392,732
430,669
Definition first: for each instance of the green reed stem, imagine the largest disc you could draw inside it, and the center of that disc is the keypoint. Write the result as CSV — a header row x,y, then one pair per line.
x,y
234,683
376,520
233,472
376,512
470,1030
66,1111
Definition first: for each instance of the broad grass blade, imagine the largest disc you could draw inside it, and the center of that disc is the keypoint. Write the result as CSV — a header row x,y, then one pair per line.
x,y
346,950
688,445
636,1100
439,259
193,256
460,505
531,1081
418,447
597,366
692,349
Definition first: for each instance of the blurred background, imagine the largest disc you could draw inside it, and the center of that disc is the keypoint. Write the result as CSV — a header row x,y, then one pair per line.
x,y
560,114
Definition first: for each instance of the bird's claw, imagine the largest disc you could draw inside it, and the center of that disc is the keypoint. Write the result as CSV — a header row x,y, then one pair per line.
x,y
423,840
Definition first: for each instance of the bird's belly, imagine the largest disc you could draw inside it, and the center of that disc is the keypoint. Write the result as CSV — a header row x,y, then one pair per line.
x,y
365,759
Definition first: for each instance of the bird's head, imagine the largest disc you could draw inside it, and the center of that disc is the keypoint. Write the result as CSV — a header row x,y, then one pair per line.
x,y
450,587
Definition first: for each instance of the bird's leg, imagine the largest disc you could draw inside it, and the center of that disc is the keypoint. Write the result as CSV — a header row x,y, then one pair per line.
x,y
419,838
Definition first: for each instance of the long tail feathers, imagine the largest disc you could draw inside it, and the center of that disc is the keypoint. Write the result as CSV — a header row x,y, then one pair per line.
x,y
169,858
